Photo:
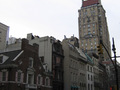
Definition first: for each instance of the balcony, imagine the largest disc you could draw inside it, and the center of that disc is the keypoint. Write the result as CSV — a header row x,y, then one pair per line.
x,y
31,86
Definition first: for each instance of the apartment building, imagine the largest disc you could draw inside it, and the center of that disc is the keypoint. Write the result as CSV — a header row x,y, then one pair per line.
x,y
93,27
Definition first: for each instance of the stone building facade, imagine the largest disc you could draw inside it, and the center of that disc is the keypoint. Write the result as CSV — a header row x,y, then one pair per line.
x,y
74,65
89,73
4,35
93,27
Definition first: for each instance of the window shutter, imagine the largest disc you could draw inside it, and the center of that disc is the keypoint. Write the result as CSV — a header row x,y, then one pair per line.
x,y
6,76
0,76
37,80
16,76
41,81
22,77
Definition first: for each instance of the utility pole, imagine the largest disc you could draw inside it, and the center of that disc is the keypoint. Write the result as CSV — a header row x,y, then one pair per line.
x,y
114,63
116,70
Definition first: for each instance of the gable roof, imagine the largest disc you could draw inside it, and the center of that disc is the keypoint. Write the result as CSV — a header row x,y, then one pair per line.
x,y
11,55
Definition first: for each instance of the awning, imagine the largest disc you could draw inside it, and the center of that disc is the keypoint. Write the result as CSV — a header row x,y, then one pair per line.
x,y
74,87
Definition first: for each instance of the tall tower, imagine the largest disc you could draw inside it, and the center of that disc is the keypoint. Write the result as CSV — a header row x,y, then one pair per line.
x,y
93,27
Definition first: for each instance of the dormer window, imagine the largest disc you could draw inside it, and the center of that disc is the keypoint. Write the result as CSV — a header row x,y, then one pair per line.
x,y
3,58
30,62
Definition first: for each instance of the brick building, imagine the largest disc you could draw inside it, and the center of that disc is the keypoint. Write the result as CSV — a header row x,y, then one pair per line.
x,y
23,70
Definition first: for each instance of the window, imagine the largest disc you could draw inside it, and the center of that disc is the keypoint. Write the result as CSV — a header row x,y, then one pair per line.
x,y
88,68
4,76
57,60
91,43
95,43
30,62
91,87
84,26
88,29
91,48
30,78
47,81
19,74
88,25
88,86
91,69
83,20
91,77
39,79
88,77
95,47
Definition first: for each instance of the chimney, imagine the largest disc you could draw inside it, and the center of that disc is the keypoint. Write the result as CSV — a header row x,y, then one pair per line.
x,y
24,43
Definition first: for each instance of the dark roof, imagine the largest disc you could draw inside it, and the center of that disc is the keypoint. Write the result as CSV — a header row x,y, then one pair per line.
x,y
11,55
90,2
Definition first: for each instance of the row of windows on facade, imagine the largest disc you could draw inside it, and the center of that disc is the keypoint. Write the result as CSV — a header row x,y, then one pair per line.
x,y
89,32
87,20
85,12
88,29
90,87
89,68
89,40
20,76
91,47
90,77
82,86
74,77
74,64
82,77
90,9
88,26
30,64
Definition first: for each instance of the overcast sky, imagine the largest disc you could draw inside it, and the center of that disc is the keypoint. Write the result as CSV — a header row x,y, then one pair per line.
x,y
53,18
